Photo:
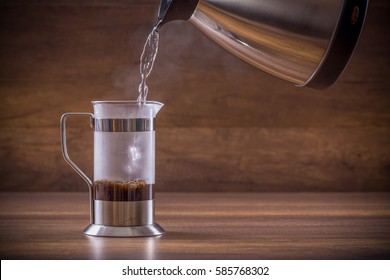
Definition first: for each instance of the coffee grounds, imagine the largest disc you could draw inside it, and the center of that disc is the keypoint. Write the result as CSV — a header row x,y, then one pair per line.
x,y
136,190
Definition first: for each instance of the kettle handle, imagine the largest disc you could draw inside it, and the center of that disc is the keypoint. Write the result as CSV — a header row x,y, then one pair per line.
x,y
64,147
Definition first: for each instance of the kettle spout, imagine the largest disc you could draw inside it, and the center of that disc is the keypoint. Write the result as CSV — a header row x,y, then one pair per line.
x,y
171,10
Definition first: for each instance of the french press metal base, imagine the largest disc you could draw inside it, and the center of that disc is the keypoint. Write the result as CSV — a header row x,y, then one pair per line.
x,y
123,219
115,231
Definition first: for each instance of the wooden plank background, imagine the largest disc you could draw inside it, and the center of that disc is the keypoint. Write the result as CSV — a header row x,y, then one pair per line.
x,y
226,126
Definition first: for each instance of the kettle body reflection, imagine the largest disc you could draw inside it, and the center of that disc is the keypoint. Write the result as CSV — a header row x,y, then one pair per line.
x,y
305,42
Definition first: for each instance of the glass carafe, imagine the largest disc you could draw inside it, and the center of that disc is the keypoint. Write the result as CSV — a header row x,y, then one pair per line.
x,y
122,190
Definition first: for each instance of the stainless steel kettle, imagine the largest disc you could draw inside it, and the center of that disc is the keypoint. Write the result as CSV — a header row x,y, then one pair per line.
x,y
306,42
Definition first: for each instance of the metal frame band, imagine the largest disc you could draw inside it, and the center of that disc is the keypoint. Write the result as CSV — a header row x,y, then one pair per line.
x,y
125,125
123,213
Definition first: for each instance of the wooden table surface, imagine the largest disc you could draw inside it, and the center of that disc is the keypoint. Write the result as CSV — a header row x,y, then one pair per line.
x,y
205,226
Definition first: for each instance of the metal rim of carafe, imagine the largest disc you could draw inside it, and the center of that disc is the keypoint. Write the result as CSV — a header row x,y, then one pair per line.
x,y
128,102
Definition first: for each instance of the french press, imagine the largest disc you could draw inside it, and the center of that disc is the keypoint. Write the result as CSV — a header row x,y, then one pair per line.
x,y
122,190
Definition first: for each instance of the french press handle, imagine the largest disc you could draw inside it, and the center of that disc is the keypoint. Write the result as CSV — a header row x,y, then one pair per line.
x,y
64,146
